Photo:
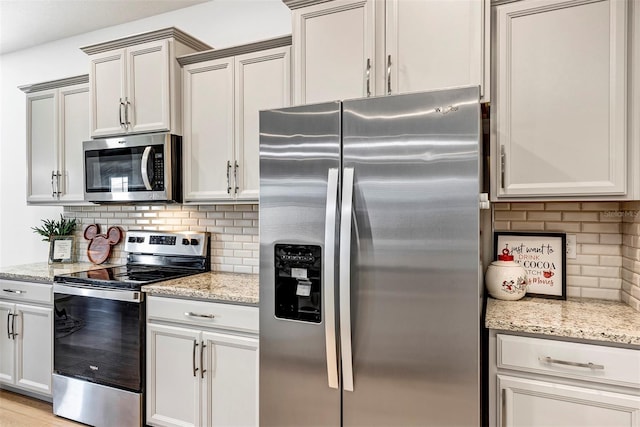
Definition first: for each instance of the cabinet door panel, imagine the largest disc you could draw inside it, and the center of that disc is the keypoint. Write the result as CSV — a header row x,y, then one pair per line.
x,y
333,42
561,96
74,128
232,380
107,80
540,403
173,397
435,44
34,344
148,87
7,346
208,136
42,128
262,83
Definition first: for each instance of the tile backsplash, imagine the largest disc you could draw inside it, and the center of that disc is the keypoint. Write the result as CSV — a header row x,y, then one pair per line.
x,y
234,229
597,270
631,254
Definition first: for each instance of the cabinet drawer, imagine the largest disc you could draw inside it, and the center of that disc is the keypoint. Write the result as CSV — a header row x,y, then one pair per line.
x,y
571,360
26,291
202,313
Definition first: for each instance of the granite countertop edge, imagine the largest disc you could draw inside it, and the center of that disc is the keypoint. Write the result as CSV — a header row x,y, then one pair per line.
x,y
579,318
43,272
233,288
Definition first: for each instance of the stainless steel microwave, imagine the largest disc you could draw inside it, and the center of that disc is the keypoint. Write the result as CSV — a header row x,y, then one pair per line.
x,y
139,168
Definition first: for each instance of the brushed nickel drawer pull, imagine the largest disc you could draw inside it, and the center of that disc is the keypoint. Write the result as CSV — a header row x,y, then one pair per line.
x,y
206,316
588,365
15,291
193,357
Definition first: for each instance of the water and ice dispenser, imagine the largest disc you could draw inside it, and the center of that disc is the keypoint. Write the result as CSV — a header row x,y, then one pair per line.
x,y
298,282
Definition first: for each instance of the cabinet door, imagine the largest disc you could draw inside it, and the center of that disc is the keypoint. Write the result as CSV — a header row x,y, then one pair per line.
x,y
107,80
42,132
533,403
208,130
7,346
147,95
262,83
173,384
34,347
435,44
74,128
334,51
231,393
560,98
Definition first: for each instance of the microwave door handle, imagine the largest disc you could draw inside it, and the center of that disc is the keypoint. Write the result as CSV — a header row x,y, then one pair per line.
x,y
143,168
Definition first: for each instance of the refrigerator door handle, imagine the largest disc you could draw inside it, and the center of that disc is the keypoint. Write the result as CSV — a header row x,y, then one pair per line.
x,y
345,279
329,278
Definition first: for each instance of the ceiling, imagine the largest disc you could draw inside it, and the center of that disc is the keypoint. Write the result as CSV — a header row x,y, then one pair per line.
x,y
27,23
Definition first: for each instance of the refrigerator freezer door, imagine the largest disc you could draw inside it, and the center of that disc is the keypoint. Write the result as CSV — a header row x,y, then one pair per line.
x,y
298,148
414,259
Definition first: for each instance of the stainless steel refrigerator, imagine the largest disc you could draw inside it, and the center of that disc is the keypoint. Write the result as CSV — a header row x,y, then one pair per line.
x,y
370,298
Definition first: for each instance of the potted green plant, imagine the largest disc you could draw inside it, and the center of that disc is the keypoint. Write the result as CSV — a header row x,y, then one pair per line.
x,y
59,234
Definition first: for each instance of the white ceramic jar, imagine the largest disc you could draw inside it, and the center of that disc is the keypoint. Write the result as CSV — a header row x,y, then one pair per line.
x,y
506,279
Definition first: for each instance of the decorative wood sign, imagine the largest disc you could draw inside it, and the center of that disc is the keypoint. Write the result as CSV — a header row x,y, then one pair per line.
x,y
100,244
543,256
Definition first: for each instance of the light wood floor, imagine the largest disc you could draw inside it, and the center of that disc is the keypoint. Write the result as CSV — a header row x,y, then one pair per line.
x,y
21,411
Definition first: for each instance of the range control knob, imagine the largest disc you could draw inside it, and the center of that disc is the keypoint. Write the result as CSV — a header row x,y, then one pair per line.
x,y
195,242
185,241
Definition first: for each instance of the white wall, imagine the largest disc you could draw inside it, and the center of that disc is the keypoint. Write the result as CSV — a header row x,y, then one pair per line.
x,y
220,23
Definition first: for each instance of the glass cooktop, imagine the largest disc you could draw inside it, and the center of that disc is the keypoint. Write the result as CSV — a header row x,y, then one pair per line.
x,y
125,276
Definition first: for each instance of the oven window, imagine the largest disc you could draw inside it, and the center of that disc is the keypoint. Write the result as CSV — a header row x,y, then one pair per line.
x,y
116,170
99,340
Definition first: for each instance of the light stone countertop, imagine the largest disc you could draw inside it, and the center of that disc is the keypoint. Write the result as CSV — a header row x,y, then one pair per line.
x,y
588,319
44,272
211,286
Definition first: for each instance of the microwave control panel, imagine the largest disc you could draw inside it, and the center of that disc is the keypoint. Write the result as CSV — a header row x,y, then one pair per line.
x,y
298,282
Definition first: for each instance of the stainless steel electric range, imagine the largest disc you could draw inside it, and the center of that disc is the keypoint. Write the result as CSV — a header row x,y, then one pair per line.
x,y
99,327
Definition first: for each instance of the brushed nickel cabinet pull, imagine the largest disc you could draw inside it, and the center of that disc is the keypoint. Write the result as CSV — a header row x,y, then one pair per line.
x,y
9,314
15,291
206,316
228,175
120,113
588,365
202,370
368,74
235,177
14,334
195,344
389,75
503,163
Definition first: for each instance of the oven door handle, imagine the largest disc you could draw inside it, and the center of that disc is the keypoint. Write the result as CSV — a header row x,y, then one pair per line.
x,y
112,294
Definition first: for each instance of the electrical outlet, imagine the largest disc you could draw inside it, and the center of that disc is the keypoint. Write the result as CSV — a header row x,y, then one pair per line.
x,y
571,246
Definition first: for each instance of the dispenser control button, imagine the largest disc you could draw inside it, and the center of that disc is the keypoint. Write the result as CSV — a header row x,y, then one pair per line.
x,y
195,242
185,241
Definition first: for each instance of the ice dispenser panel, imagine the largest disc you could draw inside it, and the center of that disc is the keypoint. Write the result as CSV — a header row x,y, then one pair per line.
x,y
298,282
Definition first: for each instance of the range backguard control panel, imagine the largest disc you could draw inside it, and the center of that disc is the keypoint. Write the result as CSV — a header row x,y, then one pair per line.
x,y
298,282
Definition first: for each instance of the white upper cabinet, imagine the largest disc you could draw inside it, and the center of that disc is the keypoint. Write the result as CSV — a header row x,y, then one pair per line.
x,y
135,82
224,90
355,48
561,100
436,44
334,51
57,123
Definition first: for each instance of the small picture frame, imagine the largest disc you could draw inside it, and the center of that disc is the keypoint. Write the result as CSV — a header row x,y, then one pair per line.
x,y
543,256
62,249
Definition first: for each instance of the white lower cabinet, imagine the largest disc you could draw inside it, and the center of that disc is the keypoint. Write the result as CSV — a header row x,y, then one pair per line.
x,y
201,371
26,338
528,402
542,382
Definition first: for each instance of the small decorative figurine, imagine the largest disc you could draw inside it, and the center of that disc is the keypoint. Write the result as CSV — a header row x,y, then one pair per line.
x,y
100,244
506,279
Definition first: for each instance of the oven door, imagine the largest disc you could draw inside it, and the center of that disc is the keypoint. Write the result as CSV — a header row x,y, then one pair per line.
x,y
99,335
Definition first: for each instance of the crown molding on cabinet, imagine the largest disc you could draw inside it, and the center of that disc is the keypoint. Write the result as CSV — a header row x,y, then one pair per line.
x,y
165,33
297,4
54,84
193,58
501,2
